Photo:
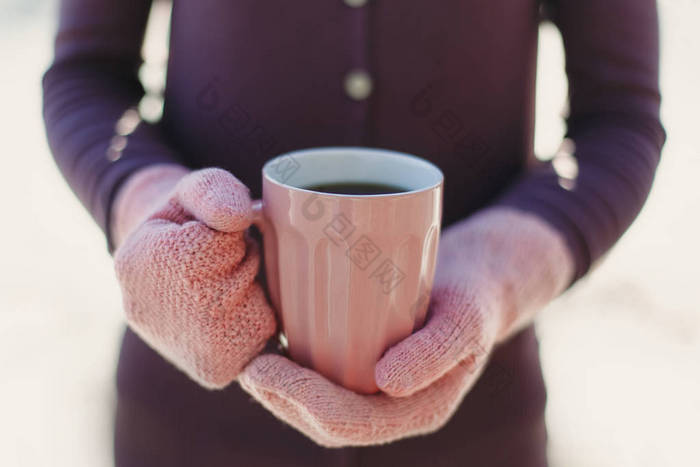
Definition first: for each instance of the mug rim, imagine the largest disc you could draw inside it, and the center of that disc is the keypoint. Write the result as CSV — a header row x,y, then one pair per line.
x,y
360,149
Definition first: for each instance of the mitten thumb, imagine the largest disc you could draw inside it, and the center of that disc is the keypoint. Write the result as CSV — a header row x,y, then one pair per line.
x,y
216,198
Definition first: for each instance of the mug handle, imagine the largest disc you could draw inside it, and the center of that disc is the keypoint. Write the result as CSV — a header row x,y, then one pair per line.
x,y
258,216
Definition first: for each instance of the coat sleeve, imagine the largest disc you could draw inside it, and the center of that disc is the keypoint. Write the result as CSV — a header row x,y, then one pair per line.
x,y
90,93
594,190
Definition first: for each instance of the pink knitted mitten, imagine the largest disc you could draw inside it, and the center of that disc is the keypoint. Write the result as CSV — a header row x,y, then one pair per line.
x,y
187,273
495,270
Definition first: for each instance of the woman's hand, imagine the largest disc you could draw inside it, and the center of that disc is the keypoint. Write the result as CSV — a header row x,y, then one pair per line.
x,y
187,272
495,270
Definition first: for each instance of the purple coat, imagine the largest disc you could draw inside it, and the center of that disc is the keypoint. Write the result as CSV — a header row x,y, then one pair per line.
x,y
450,81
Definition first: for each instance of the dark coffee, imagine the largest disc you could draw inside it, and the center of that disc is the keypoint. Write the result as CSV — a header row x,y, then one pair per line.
x,y
356,188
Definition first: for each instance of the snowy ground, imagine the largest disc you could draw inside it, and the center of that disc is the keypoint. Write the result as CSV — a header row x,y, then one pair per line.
x,y
621,351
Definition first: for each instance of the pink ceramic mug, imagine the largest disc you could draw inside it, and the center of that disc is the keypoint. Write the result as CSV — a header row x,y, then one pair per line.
x,y
349,275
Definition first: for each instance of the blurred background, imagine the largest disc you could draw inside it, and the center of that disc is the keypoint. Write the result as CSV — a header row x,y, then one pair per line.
x,y
621,351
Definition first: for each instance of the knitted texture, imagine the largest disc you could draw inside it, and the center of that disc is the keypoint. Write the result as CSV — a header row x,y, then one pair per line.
x,y
333,416
495,270
142,193
187,276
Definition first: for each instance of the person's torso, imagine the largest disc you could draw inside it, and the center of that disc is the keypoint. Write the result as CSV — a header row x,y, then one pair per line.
x,y
452,82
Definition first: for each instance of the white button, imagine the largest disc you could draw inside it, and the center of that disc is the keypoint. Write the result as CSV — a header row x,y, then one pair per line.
x,y
358,85
355,3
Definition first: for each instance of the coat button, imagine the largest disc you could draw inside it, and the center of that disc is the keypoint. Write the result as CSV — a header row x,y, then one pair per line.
x,y
355,3
358,85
